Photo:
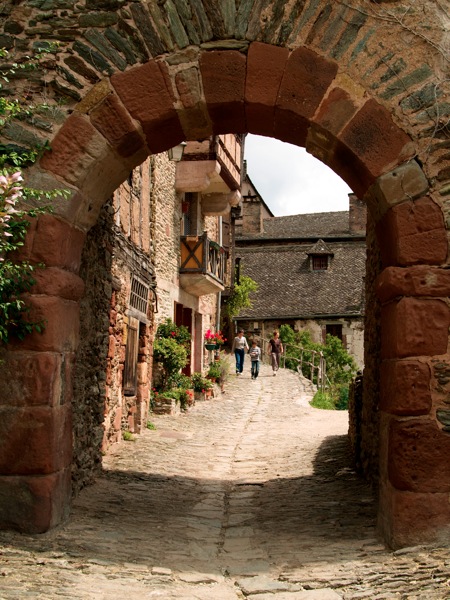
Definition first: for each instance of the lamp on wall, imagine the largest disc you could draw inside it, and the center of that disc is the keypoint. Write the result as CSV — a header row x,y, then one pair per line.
x,y
176,153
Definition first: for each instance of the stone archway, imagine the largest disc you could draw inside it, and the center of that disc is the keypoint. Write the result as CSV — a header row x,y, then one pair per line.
x,y
307,76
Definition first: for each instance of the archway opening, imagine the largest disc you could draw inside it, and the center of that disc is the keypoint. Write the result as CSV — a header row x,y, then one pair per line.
x,y
295,96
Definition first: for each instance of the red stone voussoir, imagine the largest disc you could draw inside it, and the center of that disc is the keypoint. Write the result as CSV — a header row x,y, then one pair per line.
x,y
71,150
147,94
223,76
115,124
414,327
265,70
376,140
306,79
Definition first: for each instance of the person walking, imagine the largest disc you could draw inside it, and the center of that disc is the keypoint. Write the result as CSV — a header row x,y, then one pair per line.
x,y
239,347
275,348
255,356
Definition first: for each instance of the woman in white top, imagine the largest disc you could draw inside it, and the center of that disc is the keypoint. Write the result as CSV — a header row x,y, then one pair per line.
x,y
239,348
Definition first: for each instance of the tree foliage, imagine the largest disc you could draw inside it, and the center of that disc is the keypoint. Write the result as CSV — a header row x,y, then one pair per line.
x,y
240,296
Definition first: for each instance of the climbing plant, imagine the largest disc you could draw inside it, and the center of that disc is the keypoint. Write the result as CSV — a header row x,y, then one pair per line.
x,y
18,207
240,296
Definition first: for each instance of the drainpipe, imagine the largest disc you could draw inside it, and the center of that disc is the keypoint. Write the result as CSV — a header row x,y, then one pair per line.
x,y
219,295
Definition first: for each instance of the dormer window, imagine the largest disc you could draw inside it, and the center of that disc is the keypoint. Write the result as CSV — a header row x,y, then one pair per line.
x,y
319,262
319,256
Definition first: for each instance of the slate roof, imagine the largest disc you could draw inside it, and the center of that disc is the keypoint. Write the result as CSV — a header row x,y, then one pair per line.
x,y
289,289
318,225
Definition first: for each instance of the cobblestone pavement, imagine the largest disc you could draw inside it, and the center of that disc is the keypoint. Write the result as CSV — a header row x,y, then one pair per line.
x,y
248,495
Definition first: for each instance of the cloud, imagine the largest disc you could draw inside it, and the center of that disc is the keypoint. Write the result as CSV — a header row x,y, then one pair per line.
x,y
290,180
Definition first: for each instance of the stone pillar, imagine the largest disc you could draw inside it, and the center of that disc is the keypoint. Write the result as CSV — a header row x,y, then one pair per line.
x,y
36,387
415,386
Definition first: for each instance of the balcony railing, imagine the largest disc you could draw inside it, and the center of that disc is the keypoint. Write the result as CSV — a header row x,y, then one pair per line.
x,y
203,265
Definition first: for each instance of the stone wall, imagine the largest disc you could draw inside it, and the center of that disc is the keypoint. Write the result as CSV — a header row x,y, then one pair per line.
x,y
369,456
89,395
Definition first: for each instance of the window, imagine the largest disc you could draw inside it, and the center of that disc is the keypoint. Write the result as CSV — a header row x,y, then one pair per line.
x,y
319,262
139,296
131,358
335,330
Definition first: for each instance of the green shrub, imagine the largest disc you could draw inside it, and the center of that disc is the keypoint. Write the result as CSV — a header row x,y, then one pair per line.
x,y
200,383
214,370
179,333
323,400
171,356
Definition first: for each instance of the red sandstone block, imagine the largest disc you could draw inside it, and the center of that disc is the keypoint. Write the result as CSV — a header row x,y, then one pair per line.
x,y
408,518
147,94
31,379
61,321
418,452
265,69
117,423
56,282
414,327
405,387
71,150
35,504
35,440
57,244
223,76
115,124
376,140
349,166
306,79
413,233
413,281
335,111
194,116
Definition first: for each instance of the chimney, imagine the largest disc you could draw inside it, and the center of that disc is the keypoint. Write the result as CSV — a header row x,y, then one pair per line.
x,y
251,215
357,215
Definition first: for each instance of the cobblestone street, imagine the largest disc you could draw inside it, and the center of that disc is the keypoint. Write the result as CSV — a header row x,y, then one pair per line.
x,y
248,495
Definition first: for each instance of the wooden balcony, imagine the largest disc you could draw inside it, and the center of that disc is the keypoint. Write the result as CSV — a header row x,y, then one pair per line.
x,y
203,264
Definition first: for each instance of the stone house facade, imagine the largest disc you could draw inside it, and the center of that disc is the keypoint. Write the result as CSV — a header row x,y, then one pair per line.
x,y
160,249
310,270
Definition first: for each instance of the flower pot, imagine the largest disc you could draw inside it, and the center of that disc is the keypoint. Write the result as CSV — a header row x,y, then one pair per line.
x,y
211,346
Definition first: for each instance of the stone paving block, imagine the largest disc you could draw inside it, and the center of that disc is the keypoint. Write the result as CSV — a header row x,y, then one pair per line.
x,y
320,594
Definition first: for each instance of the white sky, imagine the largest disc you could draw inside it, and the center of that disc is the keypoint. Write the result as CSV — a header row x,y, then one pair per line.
x,y
290,180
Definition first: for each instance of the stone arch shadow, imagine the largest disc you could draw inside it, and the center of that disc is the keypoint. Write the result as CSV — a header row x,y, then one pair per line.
x,y
296,96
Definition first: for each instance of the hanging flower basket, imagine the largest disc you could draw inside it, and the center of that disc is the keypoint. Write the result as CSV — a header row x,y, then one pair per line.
x,y
210,346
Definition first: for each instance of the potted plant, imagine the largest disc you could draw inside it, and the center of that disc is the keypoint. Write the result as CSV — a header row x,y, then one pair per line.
x,y
200,385
213,372
213,340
